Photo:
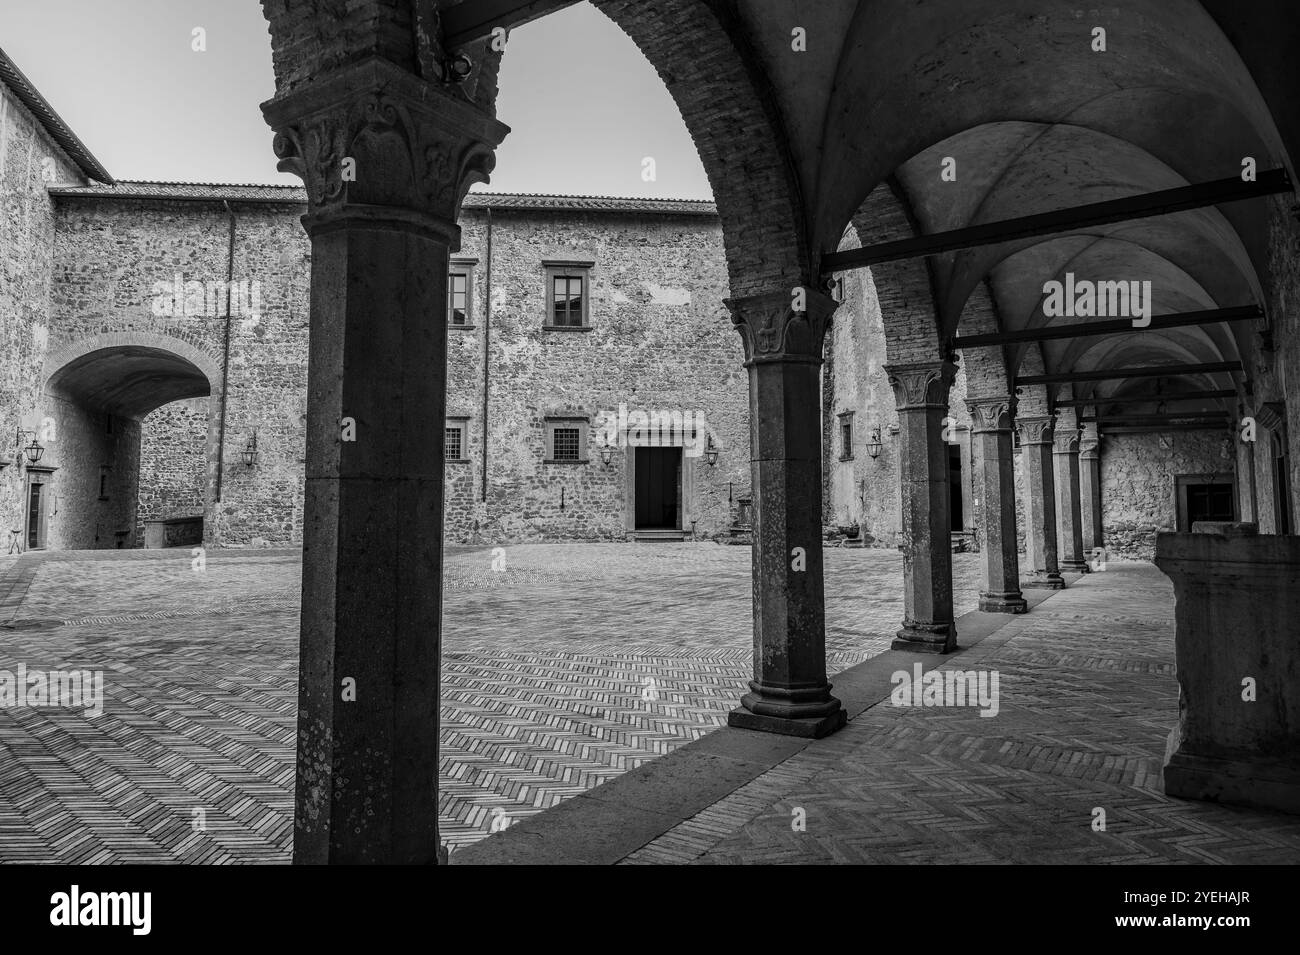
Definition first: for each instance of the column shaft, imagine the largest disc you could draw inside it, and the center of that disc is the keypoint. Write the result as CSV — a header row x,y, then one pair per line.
x,y
1090,497
367,748
789,693
1068,508
921,393
1036,452
996,486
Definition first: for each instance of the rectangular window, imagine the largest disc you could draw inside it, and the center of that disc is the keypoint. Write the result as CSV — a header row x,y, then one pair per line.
x,y
460,294
566,440
568,293
454,445
846,436
1204,497
566,444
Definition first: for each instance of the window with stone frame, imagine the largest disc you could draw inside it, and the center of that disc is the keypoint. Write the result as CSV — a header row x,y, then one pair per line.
x,y
568,296
460,294
566,440
846,436
455,445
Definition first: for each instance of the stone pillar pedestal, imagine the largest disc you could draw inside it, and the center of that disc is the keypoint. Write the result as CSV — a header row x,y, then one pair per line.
x,y
1090,493
1036,452
996,486
1238,600
1069,526
783,352
921,393
367,749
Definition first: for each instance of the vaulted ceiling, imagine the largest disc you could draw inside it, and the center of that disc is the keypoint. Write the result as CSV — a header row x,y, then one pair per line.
x,y
1015,91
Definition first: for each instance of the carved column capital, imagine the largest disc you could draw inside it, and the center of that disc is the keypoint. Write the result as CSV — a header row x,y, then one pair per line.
x,y
991,414
1036,429
371,140
1089,452
1065,440
921,384
774,328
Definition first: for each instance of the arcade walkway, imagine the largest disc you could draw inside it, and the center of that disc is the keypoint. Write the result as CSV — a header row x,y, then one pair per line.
x,y
575,665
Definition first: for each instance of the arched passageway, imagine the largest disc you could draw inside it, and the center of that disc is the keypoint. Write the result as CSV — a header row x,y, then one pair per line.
x,y
83,493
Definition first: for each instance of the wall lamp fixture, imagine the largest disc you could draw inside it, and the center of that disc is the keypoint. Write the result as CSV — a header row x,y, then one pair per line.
x,y
34,450
249,453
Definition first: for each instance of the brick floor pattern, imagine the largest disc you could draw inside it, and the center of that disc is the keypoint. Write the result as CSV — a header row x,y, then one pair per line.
x,y
563,669
574,664
1088,698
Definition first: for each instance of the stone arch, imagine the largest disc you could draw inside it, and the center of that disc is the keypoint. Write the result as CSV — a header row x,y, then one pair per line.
x,y
97,393
61,358
732,115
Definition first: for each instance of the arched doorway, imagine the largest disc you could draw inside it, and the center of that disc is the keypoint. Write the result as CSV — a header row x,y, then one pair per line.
x,y
84,491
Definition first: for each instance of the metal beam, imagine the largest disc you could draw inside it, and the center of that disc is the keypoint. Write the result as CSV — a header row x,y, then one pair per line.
x,y
1142,206
1120,326
1190,418
1165,429
1145,399
1156,371
476,19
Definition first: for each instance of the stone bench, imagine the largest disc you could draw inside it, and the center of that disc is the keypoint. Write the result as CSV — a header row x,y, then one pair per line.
x,y
174,532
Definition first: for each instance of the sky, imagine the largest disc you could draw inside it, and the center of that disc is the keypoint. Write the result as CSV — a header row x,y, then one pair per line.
x,y
585,107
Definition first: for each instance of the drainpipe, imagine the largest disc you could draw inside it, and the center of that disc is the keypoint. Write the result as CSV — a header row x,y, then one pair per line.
x,y
487,341
225,352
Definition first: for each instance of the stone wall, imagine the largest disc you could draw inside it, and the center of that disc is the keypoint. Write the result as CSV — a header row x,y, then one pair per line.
x,y
660,337
173,462
116,263
29,161
1139,483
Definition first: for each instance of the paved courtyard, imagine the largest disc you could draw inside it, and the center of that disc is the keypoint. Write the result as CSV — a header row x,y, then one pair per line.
x,y
564,666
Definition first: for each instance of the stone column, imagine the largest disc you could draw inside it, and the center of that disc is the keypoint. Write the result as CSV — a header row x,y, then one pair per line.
x,y
367,750
783,352
1036,452
921,395
995,483
1090,490
1069,527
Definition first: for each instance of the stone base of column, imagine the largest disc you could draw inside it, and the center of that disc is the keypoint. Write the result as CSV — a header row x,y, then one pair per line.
x,y
808,713
806,727
1076,567
1010,602
926,638
1261,784
1045,582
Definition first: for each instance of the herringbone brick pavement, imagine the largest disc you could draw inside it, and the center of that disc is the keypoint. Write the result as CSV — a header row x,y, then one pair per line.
x,y
1087,699
567,667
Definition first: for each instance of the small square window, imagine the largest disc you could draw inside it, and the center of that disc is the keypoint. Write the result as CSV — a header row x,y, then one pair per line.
x,y
566,441
566,444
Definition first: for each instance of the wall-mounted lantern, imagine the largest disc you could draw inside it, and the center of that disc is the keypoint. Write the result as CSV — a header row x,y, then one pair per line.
x,y
606,454
711,453
33,451
874,445
249,453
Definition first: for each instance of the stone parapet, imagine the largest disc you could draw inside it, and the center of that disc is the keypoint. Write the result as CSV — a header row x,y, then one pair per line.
x,y
1238,599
